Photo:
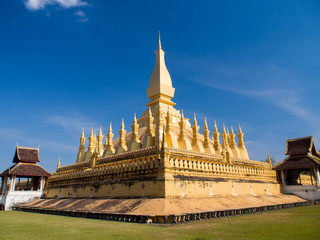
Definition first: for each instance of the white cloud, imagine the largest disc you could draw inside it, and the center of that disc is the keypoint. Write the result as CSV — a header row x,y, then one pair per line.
x,y
42,4
80,13
81,16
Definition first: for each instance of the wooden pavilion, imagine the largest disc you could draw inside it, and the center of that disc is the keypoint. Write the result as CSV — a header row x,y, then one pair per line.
x,y
26,167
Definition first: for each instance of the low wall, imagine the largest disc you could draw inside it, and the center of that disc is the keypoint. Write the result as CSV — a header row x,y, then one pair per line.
x,y
13,198
311,193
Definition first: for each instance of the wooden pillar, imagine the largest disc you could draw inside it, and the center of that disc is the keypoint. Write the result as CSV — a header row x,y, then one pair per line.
x,y
300,178
282,177
41,184
316,170
2,180
311,176
18,188
14,183
32,183
5,182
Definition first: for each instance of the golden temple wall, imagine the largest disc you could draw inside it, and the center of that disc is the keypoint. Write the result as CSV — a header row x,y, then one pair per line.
x,y
155,174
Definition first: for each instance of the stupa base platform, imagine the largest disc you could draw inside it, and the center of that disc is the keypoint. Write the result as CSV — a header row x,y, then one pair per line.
x,y
162,210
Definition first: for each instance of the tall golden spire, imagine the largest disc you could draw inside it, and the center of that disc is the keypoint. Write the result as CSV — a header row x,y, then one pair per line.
x,y
109,149
241,145
196,146
100,142
134,129
206,138
92,145
160,89
182,124
216,139
183,140
168,122
134,143
82,147
240,137
233,145
122,139
150,129
224,138
149,139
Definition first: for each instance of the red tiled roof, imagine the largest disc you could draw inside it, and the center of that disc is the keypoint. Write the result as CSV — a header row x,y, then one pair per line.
x,y
24,154
26,170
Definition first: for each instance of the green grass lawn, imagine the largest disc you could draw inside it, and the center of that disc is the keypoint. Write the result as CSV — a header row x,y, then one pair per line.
x,y
294,223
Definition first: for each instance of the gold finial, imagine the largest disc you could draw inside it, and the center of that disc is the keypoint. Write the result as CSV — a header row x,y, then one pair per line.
x,y
91,135
58,165
134,117
122,125
195,119
215,126
205,123
110,128
240,130
224,129
100,132
231,130
82,134
159,47
182,117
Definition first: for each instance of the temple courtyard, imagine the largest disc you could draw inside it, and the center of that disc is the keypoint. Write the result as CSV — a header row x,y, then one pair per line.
x,y
292,223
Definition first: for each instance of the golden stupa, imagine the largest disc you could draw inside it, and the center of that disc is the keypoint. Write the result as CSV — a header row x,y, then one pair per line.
x,y
163,156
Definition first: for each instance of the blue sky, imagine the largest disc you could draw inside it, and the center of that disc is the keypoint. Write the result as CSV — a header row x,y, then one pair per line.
x,y
72,64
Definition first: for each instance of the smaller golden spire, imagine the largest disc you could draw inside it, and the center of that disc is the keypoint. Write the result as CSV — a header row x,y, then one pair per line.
x,y
269,159
58,165
240,130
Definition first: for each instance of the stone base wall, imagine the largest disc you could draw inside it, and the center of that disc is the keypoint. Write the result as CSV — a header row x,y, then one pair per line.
x,y
164,174
219,187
